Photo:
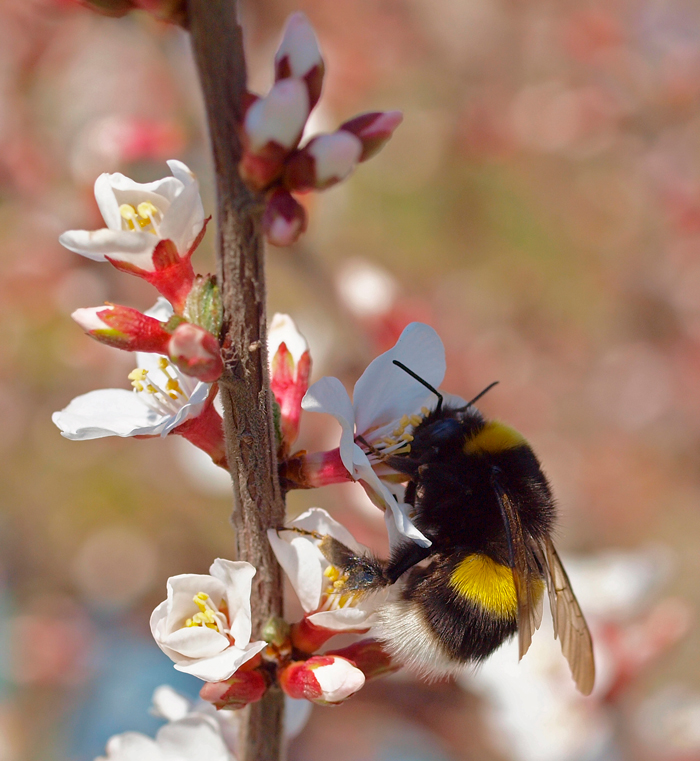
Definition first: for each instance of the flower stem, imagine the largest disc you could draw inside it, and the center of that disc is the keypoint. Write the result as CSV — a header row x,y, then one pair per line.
x,y
245,388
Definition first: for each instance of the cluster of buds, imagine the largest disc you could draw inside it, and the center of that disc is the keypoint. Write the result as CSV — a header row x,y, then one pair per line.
x,y
274,163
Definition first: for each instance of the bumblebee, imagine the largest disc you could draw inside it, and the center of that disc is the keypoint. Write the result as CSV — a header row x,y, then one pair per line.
x,y
478,492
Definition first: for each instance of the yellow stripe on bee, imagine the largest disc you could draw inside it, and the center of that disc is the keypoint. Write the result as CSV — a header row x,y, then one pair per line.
x,y
493,438
487,583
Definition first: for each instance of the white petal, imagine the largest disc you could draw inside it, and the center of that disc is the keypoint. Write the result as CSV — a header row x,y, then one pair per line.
x,y
107,203
193,739
339,680
133,746
236,576
221,666
343,619
170,704
121,245
317,519
183,221
329,395
284,330
127,190
195,642
162,310
385,392
303,563
108,412
364,471
180,171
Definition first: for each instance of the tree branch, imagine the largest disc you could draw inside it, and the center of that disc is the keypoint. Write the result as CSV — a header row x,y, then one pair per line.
x,y
245,389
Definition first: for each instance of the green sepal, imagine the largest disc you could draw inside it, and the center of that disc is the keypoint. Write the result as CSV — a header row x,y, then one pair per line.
x,y
276,631
174,322
203,306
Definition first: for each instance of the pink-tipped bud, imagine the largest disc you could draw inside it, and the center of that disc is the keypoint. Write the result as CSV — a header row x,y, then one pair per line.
x,y
324,161
373,130
310,471
299,56
123,328
322,679
195,351
284,219
238,691
279,117
370,657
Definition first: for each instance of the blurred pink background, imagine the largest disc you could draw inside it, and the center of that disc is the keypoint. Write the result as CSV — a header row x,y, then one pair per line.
x,y
539,206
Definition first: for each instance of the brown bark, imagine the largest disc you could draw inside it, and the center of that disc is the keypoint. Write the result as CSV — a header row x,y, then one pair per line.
x,y
245,389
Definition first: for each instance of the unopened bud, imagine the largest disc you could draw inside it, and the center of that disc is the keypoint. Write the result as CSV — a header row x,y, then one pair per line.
x,y
299,56
279,117
322,679
196,352
324,161
238,691
284,219
123,328
373,130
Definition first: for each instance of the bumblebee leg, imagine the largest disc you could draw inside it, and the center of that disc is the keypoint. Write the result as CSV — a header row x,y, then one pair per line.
x,y
405,556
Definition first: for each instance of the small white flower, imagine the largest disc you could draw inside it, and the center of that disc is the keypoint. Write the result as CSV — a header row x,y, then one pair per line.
x,y
140,215
312,575
162,399
192,738
204,625
387,403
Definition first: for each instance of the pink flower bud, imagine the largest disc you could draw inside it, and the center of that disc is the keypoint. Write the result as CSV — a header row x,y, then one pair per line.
x,y
238,691
324,161
284,219
279,117
123,328
370,657
195,351
322,679
373,129
309,471
299,56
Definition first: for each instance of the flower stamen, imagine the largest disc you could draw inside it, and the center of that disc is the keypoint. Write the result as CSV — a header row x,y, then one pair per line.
x,y
208,615
145,215
165,400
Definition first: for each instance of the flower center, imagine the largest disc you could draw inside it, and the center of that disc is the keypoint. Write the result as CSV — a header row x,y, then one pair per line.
x,y
209,615
144,217
165,399
335,595
399,440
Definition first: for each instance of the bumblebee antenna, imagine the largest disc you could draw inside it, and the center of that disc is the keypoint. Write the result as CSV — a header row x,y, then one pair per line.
x,y
478,396
424,382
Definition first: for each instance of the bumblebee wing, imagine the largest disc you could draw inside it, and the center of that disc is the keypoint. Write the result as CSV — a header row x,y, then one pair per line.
x,y
523,565
569,624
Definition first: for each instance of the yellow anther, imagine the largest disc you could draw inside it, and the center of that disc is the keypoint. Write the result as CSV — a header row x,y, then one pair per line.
x,y
425,411
137,385
151,389
163,363
388,441
404,421
173,384
338,584
146,209
416,420
397,432
137,375
331,573
128,213
406,437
